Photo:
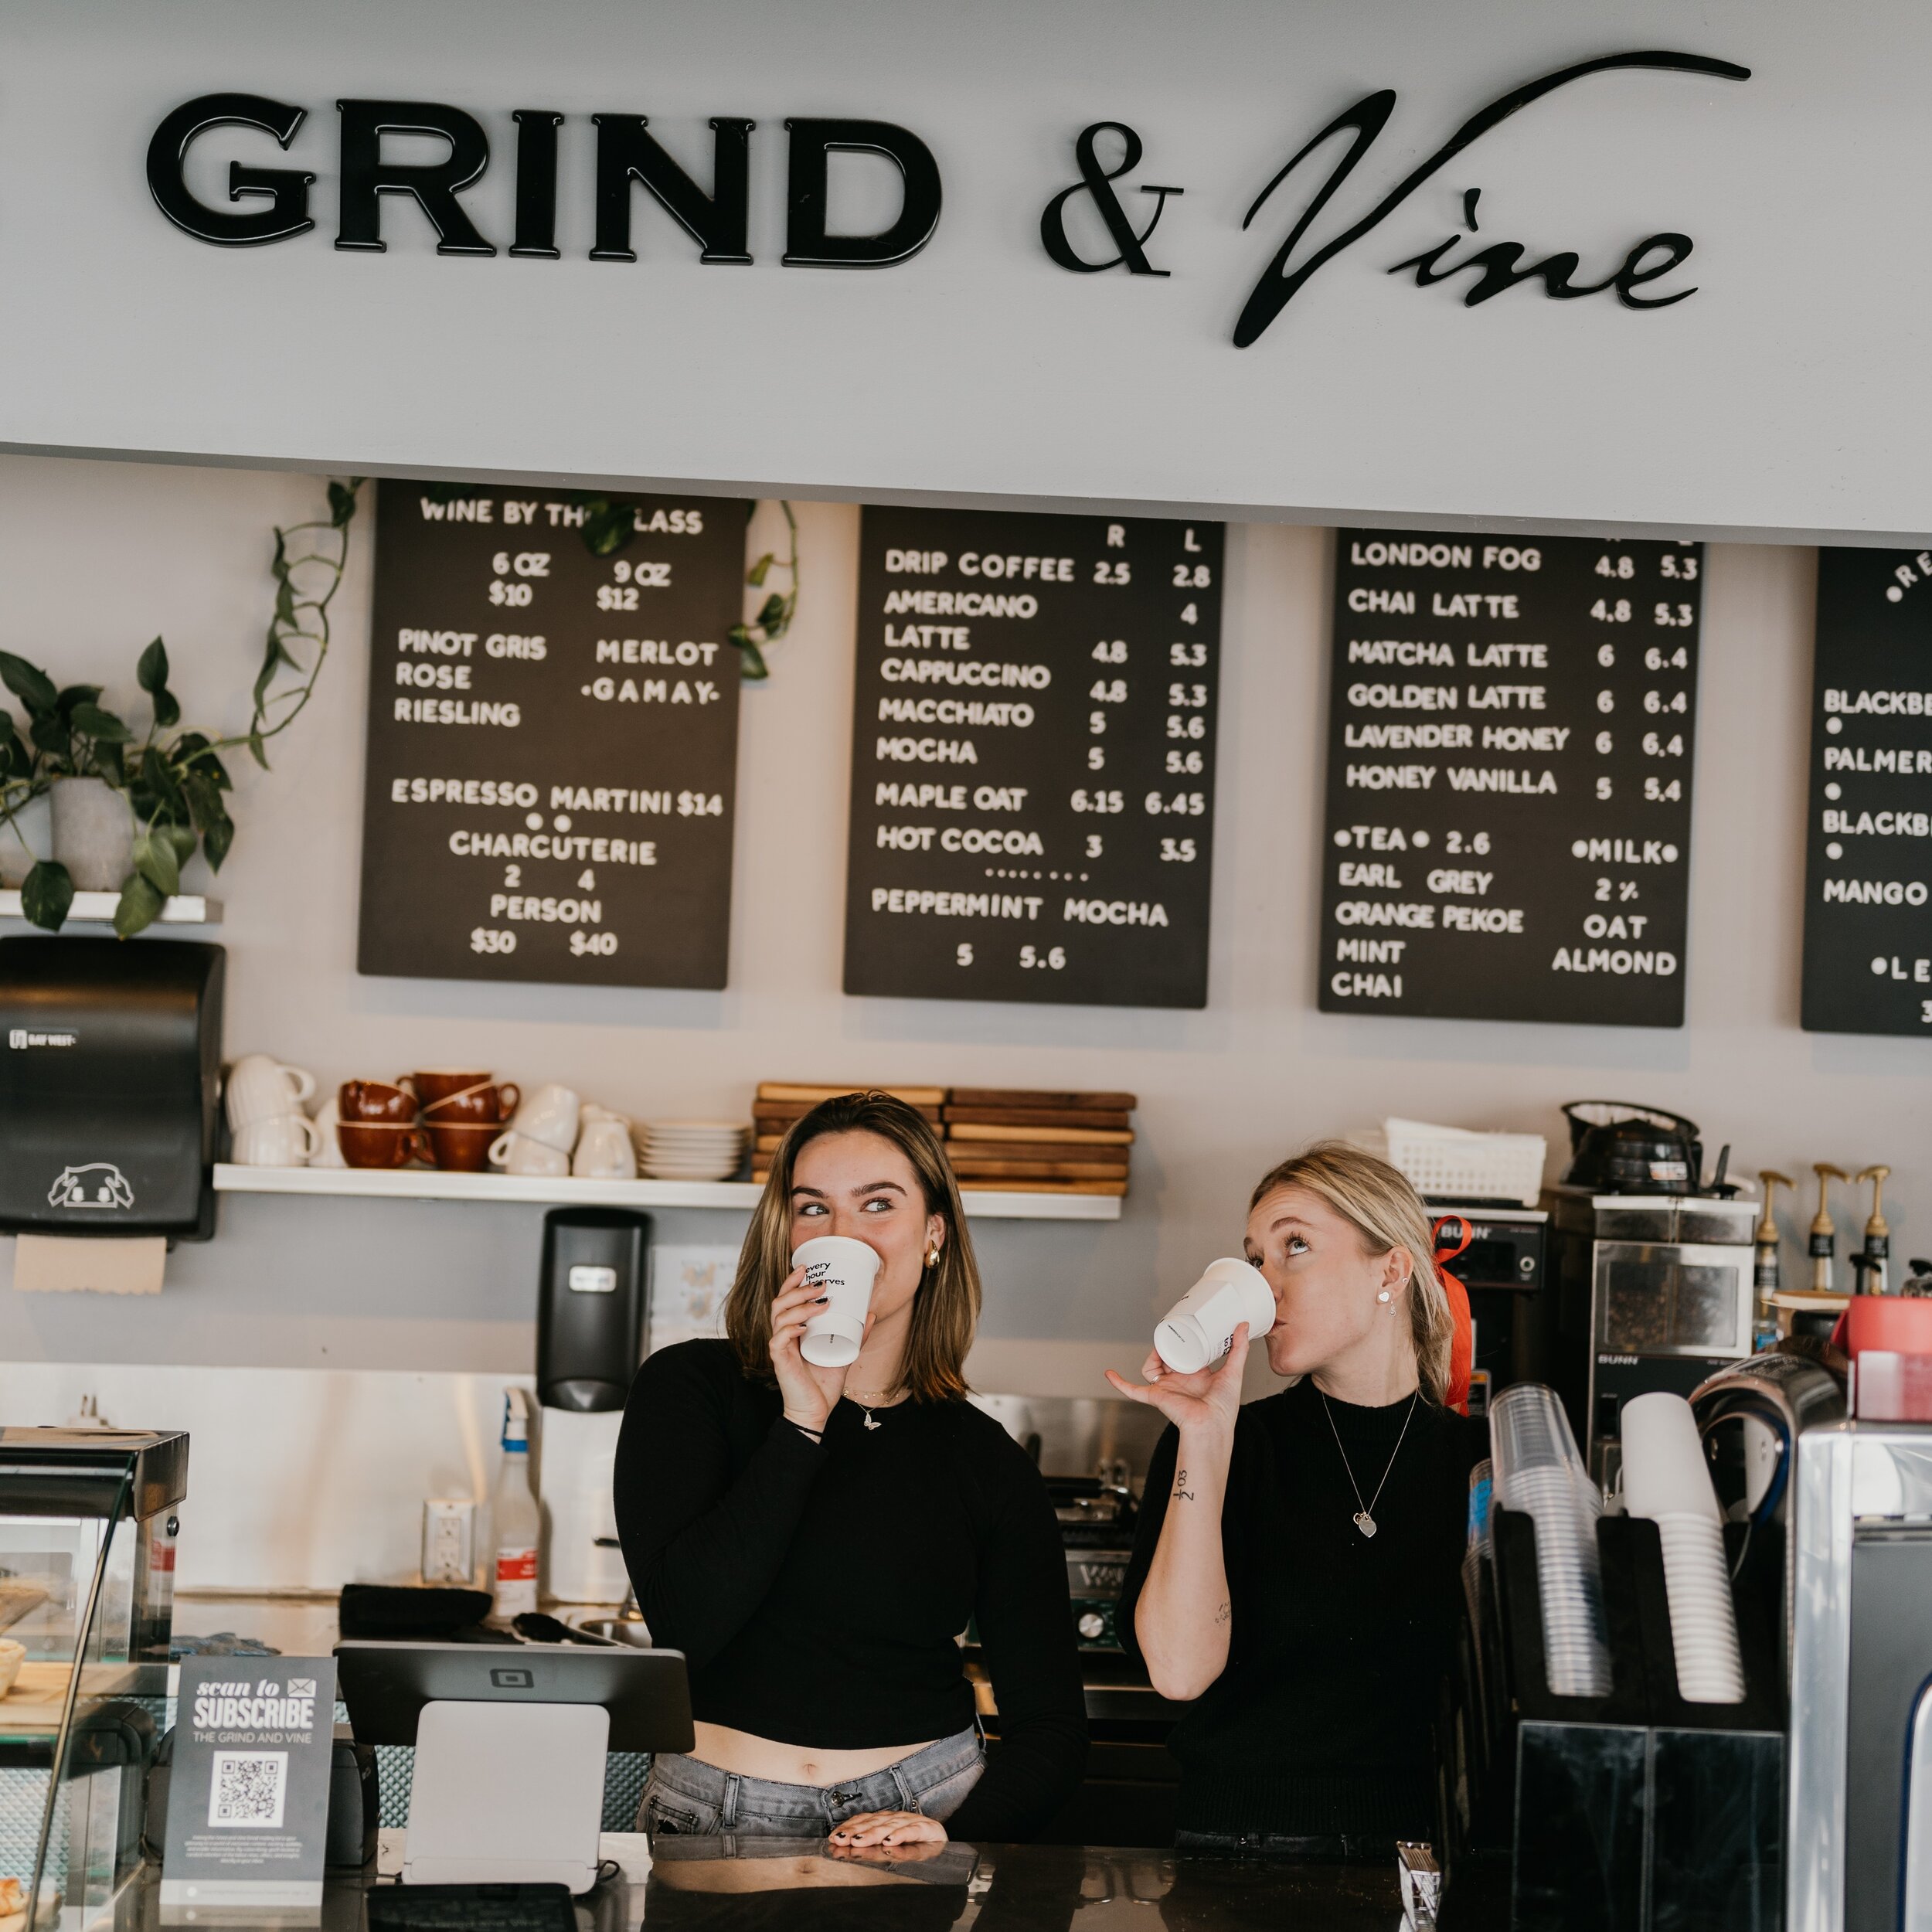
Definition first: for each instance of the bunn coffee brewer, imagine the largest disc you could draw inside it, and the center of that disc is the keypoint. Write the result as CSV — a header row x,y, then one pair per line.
x,y
110,1076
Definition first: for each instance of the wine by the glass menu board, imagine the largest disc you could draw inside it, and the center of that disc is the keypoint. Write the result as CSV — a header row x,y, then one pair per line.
x,y
1032,768
552,740
1512,733
1867,925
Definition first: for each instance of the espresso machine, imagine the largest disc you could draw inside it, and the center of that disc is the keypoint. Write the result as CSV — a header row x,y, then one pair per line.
x,y
590,1338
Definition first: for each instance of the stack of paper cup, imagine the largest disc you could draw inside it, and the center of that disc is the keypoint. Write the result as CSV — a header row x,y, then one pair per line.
x,y
1539,1471
1666,1478
1199,1328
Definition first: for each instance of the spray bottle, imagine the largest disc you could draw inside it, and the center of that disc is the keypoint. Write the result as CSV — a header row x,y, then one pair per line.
x,y
517,1527
1824,1240
1764,1274
1871,1263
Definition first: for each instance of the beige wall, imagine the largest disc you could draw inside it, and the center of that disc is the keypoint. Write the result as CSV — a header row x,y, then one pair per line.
x,y
98,557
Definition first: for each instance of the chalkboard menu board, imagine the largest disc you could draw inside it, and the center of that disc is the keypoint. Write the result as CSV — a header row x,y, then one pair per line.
x,y
1512,722
1868,929
553,740
1032,771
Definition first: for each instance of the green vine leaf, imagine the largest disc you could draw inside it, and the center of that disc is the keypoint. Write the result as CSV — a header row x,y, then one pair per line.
x,y
255,750
140,905
75,695
103,727
342,505
154,860
770,612
151,672
110,762
751,660
216,836
608,527
46,894
34,688
755,576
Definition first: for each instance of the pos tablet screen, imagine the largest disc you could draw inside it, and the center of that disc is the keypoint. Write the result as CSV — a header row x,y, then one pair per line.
x,y
386,1685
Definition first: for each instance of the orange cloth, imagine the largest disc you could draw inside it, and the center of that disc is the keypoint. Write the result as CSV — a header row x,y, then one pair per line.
x,y
1462,1346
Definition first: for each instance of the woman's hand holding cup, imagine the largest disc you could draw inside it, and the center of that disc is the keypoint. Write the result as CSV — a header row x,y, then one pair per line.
x,y
1208,1399
809,1392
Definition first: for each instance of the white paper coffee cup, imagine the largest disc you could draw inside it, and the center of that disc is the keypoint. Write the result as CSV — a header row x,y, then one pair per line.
x,y
842,1270
1200,1326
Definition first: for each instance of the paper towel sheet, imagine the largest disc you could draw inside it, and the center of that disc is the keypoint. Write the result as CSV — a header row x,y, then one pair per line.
x,y
45,1262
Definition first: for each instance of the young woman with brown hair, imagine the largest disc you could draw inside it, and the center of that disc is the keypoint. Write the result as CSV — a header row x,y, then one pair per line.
x,y
1296,1570
814,1540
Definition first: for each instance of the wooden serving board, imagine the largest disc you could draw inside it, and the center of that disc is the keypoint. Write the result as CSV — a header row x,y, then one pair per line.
x,y
1113,1118
792,1092
1058,1103
960,1130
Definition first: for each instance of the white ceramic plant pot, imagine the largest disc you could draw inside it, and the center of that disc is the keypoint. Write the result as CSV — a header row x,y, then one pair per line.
x,y
93,833
16,859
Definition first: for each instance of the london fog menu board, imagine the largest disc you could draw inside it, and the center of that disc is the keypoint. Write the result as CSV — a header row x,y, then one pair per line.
x,y
1032,786
1868,930
1511,724
553,740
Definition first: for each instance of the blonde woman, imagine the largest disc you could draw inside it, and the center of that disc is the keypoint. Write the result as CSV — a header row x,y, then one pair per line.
x,y
1296,1572
815,1540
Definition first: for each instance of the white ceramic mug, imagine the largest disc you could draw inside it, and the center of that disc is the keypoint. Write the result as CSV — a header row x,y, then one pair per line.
x,y
604,1152
1199,1328
260,1087
843,1270
330,1153
284,1140
550,1115
518,1153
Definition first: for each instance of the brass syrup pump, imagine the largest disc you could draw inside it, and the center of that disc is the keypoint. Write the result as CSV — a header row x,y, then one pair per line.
x,y
1824,1237
1871,1263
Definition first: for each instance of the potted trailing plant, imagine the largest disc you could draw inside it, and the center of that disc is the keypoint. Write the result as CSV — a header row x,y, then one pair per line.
x,y
174,782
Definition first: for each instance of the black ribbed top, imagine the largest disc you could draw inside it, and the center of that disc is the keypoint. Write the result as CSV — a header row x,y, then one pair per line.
x,y
818,1589
1320,1726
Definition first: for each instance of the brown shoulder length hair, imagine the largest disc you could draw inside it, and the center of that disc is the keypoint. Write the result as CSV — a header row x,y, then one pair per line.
x,y
1379,1202
945,1307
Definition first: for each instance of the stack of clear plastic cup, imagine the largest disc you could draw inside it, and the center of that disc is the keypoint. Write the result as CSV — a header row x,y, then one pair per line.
x,y
1666,1478
1539,1471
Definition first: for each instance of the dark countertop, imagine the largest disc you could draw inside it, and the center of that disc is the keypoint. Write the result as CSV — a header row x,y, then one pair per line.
x,y
727,1885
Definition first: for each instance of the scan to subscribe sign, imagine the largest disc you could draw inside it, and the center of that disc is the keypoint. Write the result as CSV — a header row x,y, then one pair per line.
x,y
248,1793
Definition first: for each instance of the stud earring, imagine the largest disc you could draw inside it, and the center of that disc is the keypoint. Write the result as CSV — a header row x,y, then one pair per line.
x,y
932,1256
1383,1296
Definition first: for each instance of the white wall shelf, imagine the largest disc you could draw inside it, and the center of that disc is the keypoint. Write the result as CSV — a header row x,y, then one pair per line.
x,y
429,1184
97,909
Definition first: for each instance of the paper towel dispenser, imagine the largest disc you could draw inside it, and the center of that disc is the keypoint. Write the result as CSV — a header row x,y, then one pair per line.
x,y
109,1081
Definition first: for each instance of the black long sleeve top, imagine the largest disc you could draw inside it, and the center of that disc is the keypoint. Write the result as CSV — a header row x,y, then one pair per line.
x,y
817,1589
1320,1724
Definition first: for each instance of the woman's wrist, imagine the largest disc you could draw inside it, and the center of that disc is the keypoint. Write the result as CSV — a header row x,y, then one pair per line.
x,y
808,1423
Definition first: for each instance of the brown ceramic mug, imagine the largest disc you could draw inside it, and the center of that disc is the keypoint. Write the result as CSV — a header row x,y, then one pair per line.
x,y
477,1098
461,1146
381,1143
373,1100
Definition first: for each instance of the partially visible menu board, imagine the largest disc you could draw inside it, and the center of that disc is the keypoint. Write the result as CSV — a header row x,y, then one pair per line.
x,y
1511,732
1867,927
1032,769
553,740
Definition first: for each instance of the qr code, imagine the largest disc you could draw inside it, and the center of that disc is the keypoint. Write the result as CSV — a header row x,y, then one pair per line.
x,y
249,1788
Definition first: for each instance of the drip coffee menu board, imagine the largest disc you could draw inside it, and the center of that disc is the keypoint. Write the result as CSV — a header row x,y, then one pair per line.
x,y
1868,928
553,740
1032,779
1511,726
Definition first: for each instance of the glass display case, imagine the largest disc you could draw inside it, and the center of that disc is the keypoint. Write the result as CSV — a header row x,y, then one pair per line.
x,y
88,1519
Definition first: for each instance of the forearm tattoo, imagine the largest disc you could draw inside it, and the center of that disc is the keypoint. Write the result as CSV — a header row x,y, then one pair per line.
x,y
1222,1615
1180,1489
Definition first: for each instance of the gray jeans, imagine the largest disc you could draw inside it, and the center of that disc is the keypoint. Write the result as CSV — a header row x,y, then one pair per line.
x,y
685,1795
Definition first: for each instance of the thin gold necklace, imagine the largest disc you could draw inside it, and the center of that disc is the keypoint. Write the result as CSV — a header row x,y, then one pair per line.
x,y
856,1397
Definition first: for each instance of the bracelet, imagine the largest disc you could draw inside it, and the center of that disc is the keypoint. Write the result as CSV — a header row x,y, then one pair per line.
x,y
811,1435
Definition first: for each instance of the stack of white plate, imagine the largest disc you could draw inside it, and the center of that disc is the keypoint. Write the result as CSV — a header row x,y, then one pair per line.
x,y
1666,1478
1539,1472
689,1150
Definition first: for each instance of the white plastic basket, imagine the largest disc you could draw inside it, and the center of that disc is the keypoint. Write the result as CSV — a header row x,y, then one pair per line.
x,y
1452,1163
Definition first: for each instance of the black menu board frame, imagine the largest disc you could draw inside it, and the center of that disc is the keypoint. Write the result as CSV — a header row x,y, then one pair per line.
x,y
1867,925
1512,740
550,794
1033,757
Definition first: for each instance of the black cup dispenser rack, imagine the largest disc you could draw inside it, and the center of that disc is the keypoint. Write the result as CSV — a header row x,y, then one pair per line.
x,y
110,1085
1637,1810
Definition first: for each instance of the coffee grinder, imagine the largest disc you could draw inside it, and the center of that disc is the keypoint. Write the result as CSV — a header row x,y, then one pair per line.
x,y
589,1335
